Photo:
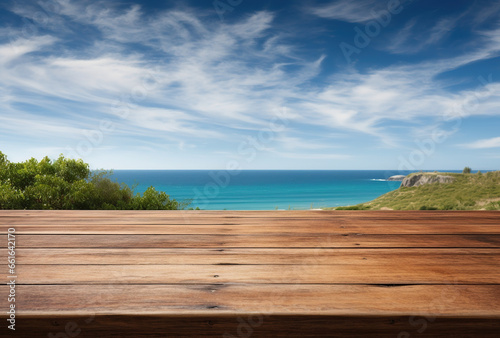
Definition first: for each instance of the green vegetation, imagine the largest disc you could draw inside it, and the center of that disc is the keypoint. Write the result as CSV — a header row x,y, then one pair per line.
x,y
66,184
354,207
479,191
467,170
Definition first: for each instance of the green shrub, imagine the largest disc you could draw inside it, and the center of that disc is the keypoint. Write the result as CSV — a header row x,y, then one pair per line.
x,y
67,184
354,207
423,207
154,200
467,170
10,198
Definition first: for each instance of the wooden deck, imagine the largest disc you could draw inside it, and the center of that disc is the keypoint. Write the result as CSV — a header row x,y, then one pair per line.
x,y
253,274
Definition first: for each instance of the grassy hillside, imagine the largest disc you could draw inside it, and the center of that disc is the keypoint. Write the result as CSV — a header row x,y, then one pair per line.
x,y
467,192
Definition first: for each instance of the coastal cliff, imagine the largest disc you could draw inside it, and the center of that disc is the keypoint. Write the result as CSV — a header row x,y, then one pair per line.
x,y
440,191
415,180
396,178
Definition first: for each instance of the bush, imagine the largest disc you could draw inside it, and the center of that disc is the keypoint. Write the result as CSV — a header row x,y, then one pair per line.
x,y
467,170
154,200
70,184
354,207
424,207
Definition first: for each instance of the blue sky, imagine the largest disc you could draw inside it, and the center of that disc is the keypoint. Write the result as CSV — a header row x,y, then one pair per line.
x,y
340,84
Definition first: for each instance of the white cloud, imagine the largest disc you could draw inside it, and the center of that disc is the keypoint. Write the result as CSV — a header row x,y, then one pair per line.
x,y
417,35
350,11
313,156
483,13
19,47
221,81
300,143
484,144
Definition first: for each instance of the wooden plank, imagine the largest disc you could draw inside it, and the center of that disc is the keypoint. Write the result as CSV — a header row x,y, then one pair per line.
x,y
491,218
174,222
147,219
294,227
162,213
394,273
224,266
483,214
254,241
18,221
471,301
409,256
258,325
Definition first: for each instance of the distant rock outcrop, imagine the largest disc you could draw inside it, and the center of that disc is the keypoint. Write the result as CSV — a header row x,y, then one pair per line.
x,y
396,178
421,179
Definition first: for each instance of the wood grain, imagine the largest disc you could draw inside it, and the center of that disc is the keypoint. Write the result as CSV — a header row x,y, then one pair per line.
x,y
256,241
256,256
298,273
359,273
244,228
353,214
473,301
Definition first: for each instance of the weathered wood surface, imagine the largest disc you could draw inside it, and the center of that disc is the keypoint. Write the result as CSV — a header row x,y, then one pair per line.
x,y
259,274
235,299
257,256
404,273
273,240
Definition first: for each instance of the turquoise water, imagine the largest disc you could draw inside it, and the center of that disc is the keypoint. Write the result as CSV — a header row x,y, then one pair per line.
x,y
264,189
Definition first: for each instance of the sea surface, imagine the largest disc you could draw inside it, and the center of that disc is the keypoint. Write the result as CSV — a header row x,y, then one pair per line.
x,y
264,189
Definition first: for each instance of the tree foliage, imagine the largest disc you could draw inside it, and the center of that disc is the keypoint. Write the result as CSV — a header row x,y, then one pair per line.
x,y
467,170
67,184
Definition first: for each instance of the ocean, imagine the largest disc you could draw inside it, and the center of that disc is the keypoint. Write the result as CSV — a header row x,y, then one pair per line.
x,y
264,189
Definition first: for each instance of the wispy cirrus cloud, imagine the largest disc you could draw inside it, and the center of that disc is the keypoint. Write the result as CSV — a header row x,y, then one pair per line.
x,y
206,84
417,35
350,11
199,84
413,39
11,51
484,144
482,13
